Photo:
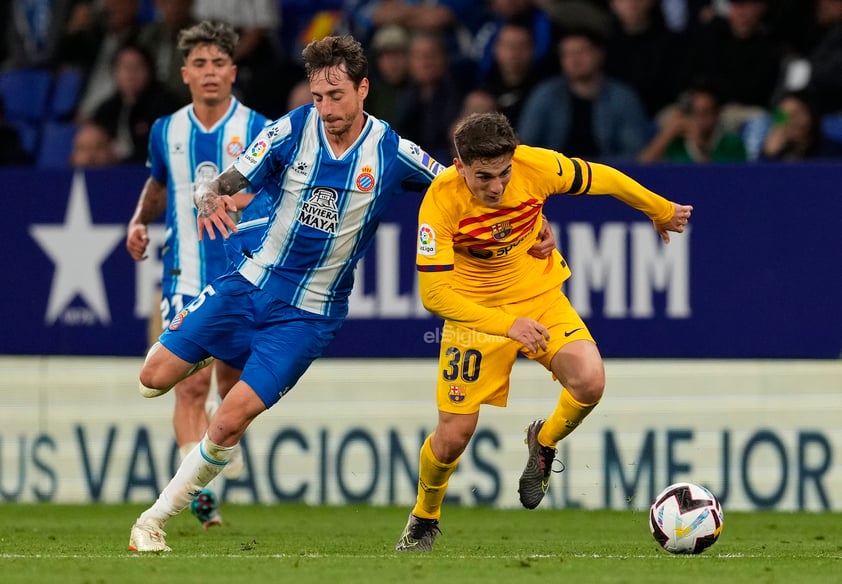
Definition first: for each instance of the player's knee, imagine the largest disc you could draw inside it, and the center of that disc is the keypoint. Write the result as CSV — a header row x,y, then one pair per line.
x,y
150,377
449,442
588,386
153,373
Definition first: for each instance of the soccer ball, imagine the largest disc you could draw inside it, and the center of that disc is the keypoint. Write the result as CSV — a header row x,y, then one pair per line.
x,y
685,519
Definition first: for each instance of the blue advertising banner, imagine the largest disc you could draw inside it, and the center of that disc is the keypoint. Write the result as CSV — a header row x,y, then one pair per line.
x,y
758,274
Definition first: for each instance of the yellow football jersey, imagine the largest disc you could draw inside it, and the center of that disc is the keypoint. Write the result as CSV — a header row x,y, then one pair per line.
x,y
473,259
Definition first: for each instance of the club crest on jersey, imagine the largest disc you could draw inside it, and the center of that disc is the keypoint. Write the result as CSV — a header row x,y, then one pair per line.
x,y
234,147
456,395
501,230
365,180
179,318
319,210
426,240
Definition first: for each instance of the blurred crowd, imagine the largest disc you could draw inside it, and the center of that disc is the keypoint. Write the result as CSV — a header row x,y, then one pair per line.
x,y
686,81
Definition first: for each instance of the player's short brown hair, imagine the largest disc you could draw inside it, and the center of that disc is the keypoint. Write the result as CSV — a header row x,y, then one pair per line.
x,y
218,34
336,51
484,136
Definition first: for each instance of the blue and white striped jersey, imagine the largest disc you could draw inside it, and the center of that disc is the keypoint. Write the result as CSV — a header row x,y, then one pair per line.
x,y
183,154
315,215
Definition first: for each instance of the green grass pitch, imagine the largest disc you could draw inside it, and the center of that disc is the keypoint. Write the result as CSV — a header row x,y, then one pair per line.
x,y
70,544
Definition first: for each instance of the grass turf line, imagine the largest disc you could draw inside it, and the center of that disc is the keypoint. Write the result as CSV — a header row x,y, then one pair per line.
x,y
88,544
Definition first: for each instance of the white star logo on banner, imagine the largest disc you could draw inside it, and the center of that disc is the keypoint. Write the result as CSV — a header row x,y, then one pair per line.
x,y
77,248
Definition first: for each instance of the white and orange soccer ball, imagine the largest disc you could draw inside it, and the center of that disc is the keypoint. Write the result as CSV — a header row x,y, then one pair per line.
x,y
685,518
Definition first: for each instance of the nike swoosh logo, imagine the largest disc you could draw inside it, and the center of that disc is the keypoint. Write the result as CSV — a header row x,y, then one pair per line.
x,y
568,333
560,170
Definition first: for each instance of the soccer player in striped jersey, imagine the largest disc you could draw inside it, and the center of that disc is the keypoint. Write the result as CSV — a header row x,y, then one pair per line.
x,y
186,149
476,222
323,174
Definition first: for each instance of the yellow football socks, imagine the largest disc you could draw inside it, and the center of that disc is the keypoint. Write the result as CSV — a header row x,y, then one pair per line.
x,y
568,414
432,483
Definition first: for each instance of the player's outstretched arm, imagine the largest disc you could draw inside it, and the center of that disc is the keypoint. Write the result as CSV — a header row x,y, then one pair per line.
x,y
678,222
214,201
665,215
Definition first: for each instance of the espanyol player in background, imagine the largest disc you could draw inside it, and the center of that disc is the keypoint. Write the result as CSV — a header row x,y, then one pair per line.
x,y
186,149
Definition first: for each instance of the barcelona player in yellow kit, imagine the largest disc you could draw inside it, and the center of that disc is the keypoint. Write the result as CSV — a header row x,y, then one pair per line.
x,y
476,223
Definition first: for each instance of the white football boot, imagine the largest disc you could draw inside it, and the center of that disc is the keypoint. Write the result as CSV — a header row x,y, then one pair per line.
x,y
148,537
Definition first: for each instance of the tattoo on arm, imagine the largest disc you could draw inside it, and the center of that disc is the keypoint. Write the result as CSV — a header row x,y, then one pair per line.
x,y
152,202
229,182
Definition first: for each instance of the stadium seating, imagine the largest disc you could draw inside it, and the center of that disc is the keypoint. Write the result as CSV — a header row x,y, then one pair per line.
x,y
26,93
66,92
30,135
832,127
56,145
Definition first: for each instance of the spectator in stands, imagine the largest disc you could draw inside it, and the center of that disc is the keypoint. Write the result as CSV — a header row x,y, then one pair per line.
x,y
390,74
477,101
741,55
92,147
523,12
90,40
300,95
795,133
514,72
254,20
685,16
431,102
825,60
693,132
455,21
12,152
578,14
30,31
6,33
264,79
160,39
583,112
642,52
137,102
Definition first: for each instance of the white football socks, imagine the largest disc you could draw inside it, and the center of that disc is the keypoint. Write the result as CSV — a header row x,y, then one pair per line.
x,y
198,468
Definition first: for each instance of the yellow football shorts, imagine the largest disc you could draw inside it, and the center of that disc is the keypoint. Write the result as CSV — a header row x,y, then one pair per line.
x,y
474,367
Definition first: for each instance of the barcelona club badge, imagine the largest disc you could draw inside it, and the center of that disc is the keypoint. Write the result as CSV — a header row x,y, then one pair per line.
x,y
455,394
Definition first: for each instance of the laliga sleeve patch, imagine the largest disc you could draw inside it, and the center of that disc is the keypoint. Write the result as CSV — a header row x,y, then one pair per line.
x,y
426,240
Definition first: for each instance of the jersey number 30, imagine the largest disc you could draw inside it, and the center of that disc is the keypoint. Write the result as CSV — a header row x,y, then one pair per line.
x,y
465,366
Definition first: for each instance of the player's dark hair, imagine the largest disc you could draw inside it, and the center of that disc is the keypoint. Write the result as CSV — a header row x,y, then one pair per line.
x,y
218,34
336,51
484,136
